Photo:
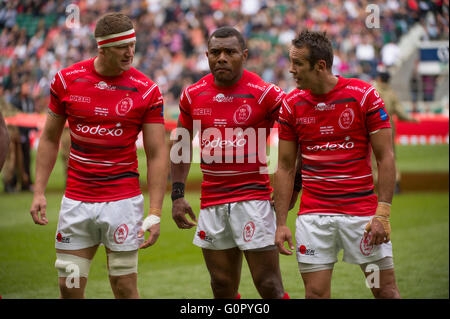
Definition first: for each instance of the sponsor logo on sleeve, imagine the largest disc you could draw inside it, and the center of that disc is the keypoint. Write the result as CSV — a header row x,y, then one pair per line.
x,y
383,115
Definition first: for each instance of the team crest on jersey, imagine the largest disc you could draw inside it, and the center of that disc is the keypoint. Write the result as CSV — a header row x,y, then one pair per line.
x,y
124,106
242,114
346,118
121,234
249,231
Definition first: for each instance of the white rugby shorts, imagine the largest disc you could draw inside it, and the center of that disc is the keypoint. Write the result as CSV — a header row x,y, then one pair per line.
x,y
247,225
320,238
115,224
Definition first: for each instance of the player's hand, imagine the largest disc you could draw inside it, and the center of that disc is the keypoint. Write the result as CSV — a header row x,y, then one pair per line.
x,y
380,231
37,210
154,235
180,207
283,234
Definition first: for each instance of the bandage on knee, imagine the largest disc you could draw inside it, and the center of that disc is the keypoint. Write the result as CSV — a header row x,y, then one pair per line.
x,y
122,263
71,265
382,264
305,268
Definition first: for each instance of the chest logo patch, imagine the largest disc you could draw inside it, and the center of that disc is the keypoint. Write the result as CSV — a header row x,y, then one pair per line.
x,y
124,106
346,118
242,114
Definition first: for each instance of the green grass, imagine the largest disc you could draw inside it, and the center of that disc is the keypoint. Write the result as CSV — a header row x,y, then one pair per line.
x,y
423,158
174,267
417,158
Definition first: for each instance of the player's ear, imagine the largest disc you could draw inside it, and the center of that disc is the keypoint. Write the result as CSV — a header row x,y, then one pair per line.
x,y
245,54
101,51
321,66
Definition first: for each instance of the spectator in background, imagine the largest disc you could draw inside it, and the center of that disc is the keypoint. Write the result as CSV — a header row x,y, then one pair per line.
x,y
24,103
4,141
390,54
173,32
12,158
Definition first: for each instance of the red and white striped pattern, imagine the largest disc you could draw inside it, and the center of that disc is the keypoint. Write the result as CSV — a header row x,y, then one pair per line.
x,y
116,39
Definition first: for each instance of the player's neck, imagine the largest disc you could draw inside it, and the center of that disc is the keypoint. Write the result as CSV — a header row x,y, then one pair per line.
x,y
102,68
228,83
325,84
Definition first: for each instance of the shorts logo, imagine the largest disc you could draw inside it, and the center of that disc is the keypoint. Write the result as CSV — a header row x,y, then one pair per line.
x,y
62,239
242,114
121,234
205,237
306,251
249,231
346,118
365,247
124,106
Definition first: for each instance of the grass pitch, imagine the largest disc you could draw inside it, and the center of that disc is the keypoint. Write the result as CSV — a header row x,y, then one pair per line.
x,y
174,268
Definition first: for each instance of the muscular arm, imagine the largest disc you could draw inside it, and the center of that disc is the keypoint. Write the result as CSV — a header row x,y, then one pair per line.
x,y
157,156
157,170
379,227
4,141
45,160
382,147
298,170
284,183
180,169
180,161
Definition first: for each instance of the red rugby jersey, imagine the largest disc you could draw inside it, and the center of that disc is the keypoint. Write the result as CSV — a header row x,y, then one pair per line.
x,y
333,133
105,116
235,123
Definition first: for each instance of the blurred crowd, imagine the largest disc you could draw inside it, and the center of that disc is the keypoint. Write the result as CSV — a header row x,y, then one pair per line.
x,y
37,38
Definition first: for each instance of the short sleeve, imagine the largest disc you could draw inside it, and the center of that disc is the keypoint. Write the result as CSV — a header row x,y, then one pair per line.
x,y
154,112
376,115
286,122
57,93
185,117
272,100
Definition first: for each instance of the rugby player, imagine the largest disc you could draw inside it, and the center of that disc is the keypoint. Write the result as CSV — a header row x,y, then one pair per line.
x,y
335,122
106,103
236,217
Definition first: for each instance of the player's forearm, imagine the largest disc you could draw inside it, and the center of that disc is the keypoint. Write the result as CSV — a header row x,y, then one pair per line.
x,y
283,187
46,156
157,172
180,166
386,178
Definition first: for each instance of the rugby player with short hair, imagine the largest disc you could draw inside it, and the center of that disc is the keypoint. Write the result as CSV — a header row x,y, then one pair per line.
x,y
107,103
236,216
334,123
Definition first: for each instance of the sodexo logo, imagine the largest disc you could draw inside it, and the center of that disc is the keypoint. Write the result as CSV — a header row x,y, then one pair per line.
x,y
331,146
100,131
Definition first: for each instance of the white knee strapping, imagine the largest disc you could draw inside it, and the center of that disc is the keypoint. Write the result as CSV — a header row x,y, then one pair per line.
x,y
382,264
305,268
122,262
71,265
